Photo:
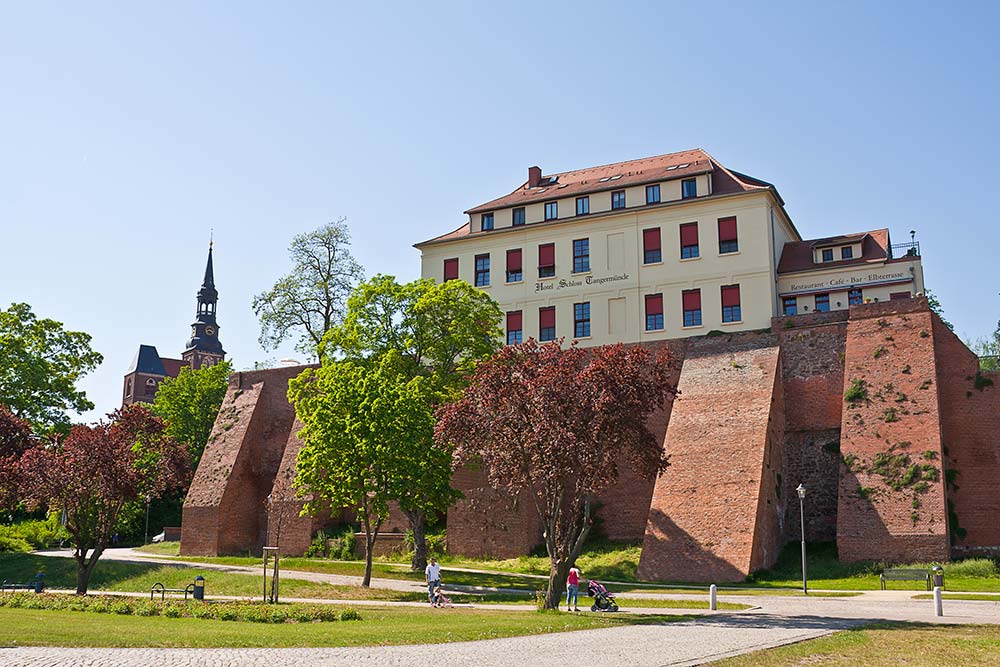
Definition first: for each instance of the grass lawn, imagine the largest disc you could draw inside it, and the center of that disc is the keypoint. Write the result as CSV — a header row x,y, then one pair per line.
x,y
886,645
992,597
379,626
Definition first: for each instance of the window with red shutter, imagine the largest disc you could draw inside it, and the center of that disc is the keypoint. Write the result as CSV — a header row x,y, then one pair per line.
x,y
651,253
514,331
731,303
728,241
547,323
451,269
691,300
654,312
514,273
689,240
547,260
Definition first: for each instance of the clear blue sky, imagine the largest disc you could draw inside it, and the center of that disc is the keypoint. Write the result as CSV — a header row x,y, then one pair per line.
x,y
126,133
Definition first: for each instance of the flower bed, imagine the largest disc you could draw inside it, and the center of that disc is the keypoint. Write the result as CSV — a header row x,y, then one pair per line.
x,y
247,612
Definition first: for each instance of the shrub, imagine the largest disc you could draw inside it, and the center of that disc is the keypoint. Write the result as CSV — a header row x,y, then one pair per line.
x,y
857,392
10,540
972,567
350,615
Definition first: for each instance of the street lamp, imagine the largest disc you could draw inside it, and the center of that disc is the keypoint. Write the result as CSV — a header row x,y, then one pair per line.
x,y
801,490
148,499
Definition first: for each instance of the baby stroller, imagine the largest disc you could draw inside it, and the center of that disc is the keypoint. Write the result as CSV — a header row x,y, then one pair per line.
x,y
603,600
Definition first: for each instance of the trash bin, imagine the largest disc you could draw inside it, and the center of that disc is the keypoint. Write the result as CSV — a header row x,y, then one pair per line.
x,y
199,587
39,582
937,573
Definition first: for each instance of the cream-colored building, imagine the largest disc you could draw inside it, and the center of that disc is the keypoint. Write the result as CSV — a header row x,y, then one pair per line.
x,y
663,247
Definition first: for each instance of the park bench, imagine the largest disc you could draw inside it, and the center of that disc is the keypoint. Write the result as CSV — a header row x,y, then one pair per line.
x,y
903,574
159,588
37,584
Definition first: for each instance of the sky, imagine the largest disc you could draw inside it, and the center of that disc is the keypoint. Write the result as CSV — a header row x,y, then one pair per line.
x,y
131,132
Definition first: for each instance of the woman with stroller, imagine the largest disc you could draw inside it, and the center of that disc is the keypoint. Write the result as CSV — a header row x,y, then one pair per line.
x,y
572,588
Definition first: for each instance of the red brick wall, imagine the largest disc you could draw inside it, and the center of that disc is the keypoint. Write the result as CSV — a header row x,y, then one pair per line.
x,y
224,511
970,425
704,513
488,522
890,346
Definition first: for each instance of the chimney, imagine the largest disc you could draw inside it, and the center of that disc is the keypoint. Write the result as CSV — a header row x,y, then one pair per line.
x,y
534,176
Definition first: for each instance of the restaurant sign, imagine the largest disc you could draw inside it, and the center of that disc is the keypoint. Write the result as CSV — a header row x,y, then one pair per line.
x,y
845,282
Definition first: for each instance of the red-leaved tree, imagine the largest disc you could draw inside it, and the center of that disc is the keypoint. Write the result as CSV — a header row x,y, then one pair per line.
x,y
559,424
15,438
96,472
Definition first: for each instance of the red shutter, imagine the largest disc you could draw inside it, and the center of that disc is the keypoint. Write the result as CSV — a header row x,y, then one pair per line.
x,y
514,320
547,317
654,304
730,295
451,269
514,260
692,299
727,229
547,254
650,239
689,234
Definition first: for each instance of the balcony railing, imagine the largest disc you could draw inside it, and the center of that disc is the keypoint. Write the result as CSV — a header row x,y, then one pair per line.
x,y
897,250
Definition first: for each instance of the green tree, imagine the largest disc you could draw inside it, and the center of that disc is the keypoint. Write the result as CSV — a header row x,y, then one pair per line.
x,y
189,404
40,365
359,420
310,299
439,332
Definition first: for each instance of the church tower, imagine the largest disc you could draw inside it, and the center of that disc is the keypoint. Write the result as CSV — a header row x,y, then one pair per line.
x,y
204,348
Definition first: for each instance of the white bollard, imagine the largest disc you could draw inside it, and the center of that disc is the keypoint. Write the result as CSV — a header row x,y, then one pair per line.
x,y
938,606
713,602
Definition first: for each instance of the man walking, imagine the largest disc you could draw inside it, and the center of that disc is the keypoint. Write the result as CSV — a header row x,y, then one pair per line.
x,y
433,575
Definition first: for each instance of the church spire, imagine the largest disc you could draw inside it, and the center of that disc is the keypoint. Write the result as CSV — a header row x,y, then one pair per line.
x,y
204,347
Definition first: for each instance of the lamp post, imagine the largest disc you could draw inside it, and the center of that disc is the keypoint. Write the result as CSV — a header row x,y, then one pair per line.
x,y
146,539
801,490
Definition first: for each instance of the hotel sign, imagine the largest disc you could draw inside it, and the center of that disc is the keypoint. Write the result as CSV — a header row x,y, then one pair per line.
x,y
566,283
845,282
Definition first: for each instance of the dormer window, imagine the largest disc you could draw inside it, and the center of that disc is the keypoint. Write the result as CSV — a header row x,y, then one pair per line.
x,y
847,252
487,222
689,188
828,254
517,216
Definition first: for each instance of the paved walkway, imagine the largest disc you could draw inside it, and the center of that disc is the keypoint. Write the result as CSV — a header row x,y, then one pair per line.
x,y
775,621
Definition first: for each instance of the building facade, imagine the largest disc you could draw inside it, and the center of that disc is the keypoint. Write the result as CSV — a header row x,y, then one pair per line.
x,y
655,249
149,369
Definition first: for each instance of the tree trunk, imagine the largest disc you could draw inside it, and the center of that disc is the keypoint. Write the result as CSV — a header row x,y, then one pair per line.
x,y
418,522
558,570
84,569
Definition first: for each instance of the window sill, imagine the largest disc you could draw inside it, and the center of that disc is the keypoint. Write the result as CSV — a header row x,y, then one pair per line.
x,y
581,273
582,337
486,286
693,326
734,322
690,259
652,331
514,282
541,278
727,254
660,263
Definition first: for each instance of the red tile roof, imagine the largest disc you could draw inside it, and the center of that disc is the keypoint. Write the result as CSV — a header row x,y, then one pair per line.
x,y
671,166
626,174
798,255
